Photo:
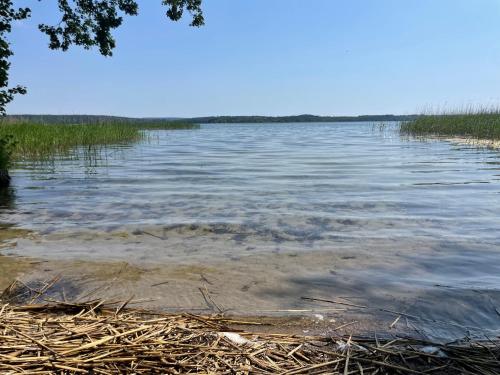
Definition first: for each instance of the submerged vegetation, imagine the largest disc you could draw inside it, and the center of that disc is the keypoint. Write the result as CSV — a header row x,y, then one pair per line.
x,y
43,141
472,124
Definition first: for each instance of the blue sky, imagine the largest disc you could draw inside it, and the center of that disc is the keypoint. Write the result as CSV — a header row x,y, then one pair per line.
x,y
271,57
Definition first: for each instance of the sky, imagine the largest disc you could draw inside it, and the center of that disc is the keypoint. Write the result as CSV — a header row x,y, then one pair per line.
x,y
270,57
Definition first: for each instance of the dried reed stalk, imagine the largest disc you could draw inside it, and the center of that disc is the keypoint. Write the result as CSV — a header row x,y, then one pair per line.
x,y
98,338
93,338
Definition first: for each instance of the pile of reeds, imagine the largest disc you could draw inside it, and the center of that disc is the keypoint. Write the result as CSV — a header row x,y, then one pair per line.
x,y
64,338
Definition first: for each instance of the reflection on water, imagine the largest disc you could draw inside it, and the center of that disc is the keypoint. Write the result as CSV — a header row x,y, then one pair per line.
x,y
7,199
88,160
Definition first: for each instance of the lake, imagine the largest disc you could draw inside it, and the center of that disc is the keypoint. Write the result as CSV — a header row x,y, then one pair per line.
x,y
270,213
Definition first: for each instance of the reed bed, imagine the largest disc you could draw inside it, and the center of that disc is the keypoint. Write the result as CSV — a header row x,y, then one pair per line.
x,y
5,152
481,124
41,141
94,338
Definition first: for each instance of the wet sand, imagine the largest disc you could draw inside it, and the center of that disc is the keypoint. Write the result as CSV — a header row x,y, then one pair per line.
x,y
431,290
12,267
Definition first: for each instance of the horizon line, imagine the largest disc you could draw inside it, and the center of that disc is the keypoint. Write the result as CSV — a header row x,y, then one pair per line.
x,y
205,116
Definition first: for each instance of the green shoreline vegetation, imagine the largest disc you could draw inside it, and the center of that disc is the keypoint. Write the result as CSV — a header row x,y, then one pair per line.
x,y
5,153
470,124
43,137
36,141
5,160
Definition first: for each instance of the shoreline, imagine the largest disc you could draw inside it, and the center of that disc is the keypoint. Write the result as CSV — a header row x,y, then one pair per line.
x,y
348,312
365,288
333,308
490,144
485,143
88,338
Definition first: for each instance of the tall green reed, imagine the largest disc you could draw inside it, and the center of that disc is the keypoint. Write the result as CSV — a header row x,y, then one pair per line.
x,y
470,122
40,142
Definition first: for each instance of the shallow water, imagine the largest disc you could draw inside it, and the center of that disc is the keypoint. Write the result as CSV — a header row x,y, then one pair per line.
x,y
304,182
403,214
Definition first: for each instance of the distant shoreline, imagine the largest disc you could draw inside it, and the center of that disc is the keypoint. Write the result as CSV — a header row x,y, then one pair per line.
x,y
80,119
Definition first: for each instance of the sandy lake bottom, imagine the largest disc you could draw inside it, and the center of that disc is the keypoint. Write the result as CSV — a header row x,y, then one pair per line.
x,y
265,220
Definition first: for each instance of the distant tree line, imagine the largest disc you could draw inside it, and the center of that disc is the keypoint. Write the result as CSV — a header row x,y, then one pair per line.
x,y
79,119
299,118
92,119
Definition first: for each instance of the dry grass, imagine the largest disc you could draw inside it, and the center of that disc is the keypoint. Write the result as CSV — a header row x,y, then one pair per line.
x,y
94,338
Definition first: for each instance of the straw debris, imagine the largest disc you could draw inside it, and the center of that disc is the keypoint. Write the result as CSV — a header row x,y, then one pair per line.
x,y
49,337
92,338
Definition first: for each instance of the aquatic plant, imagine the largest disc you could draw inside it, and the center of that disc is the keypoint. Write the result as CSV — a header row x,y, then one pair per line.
x,y
471,123
42,141
4,154
6,145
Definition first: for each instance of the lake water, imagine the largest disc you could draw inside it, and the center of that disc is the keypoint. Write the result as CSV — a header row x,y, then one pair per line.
x,y
404,214
300,182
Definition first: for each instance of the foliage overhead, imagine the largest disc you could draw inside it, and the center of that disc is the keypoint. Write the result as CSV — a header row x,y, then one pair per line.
x,y
8,14
86,23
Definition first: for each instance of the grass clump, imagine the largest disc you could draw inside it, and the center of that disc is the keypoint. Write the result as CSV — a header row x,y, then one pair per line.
x,y
41,141
6,145
480,124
